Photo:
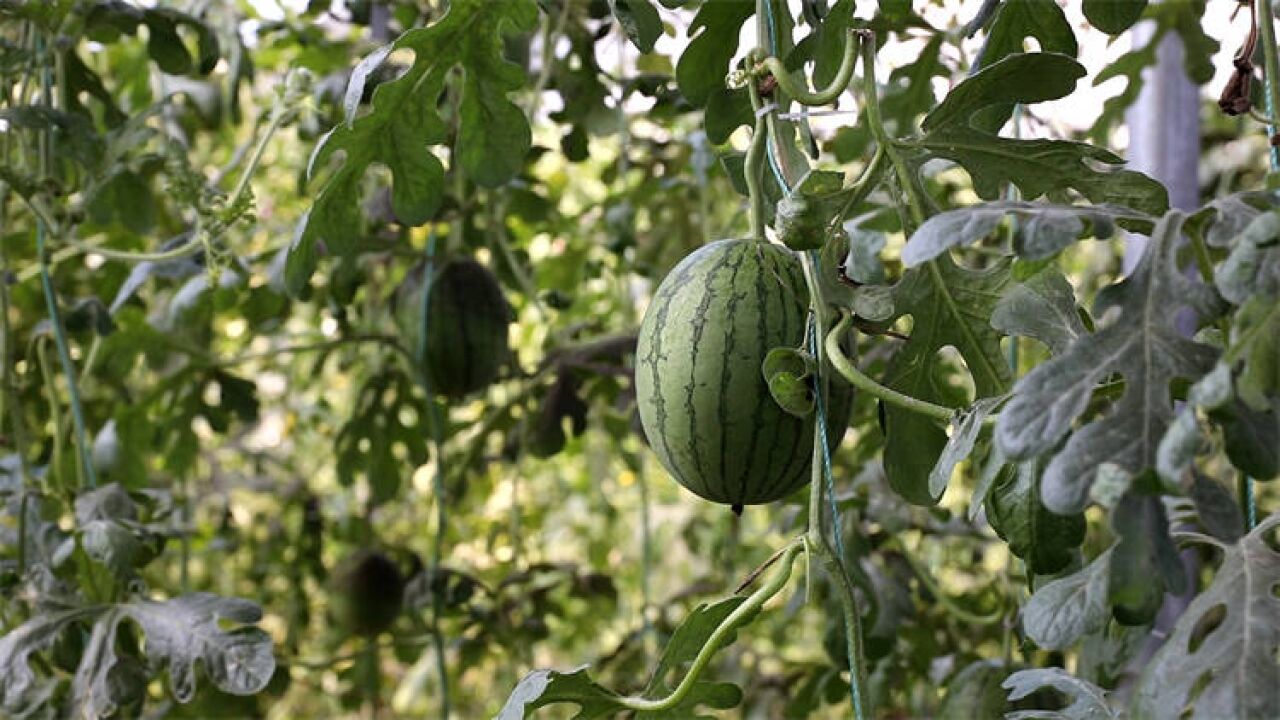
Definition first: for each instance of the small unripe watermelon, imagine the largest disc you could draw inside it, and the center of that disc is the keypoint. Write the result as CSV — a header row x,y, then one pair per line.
x,y
466,321
704,403
368,592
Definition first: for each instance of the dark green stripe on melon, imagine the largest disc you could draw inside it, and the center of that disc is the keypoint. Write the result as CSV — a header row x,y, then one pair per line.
x,y
704,404
467,318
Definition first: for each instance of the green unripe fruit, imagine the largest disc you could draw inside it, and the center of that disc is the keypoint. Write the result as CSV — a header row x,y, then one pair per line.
x,y
368,592
466,326
704,403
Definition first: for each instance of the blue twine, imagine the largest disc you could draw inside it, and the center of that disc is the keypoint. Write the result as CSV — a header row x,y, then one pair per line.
x,y
428,271
1272,129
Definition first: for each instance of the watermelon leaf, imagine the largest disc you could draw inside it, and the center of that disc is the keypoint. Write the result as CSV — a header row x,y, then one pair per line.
x,y
1064,610
404,121
1044,540
951,307
1089,702
1144,562
1143,346
1021,78
1014,22
975,691
639,20
963,129
1042,307
1221,654
1184,18
1043,228
705,62
1113,16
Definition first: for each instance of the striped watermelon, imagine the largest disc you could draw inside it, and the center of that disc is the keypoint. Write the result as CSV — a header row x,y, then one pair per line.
x,y
467,318
704,403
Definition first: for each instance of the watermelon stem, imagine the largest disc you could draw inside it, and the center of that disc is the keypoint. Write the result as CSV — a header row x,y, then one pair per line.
x,y
799,92
740,616
753,168
821,462
860,380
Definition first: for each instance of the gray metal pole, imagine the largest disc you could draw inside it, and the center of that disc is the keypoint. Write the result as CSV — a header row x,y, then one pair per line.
x,y
1164,128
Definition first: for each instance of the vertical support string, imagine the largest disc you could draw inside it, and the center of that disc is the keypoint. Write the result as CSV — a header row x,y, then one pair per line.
x,y
437,483
855,691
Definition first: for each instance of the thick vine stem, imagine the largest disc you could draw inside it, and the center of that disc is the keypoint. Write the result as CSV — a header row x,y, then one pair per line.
x,y
825,96
753,170
816,541
849,608
777,580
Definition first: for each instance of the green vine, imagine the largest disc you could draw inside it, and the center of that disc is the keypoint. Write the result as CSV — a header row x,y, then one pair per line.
x,y
740,616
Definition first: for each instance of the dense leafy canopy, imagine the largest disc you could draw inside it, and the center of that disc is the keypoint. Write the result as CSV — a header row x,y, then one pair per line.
x,y
250,467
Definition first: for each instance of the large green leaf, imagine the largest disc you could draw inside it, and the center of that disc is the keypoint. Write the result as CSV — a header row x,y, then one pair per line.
x,y
950,307
1037,167
963,127
1022,78
1042,307
1018,20
705,61
1113,16
1144,561
404,121
1064,610
1220,659
1142,345
1046,541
